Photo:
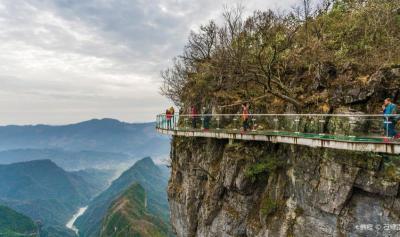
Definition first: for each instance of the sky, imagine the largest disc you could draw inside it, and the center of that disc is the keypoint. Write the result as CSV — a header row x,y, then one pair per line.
x,y
65,61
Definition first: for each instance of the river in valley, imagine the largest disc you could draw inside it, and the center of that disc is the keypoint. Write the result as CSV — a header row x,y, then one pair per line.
x,y
70,223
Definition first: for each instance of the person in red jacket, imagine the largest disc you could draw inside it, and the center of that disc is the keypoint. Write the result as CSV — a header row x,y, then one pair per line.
x,y
168,115
245,116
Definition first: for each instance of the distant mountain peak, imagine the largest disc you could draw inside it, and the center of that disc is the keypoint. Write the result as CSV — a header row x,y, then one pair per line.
x,y
107,120
144,164
147,160
101,121
41,163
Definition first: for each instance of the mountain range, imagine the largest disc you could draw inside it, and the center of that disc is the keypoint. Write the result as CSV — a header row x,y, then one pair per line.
x,y
68,160
104,135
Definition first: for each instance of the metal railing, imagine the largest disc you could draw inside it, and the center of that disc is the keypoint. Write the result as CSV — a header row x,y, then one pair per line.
x,y
351,127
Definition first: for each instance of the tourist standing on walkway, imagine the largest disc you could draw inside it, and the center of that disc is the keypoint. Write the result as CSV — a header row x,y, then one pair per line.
x,y
206,118
172,114
193,116
245,116
168,117
390,121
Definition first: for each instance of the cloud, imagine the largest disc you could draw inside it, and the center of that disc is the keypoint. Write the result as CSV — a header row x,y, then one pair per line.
x,y
67,60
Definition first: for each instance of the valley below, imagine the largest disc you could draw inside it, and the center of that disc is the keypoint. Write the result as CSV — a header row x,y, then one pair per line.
x,y
63,179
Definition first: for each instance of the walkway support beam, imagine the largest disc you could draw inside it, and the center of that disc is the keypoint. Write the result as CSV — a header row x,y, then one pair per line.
x,y
387,148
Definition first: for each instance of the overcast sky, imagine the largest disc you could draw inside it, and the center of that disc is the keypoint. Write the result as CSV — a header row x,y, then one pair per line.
x,y
64,61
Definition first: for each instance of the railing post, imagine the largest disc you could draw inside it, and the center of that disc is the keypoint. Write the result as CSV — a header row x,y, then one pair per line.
x,y
276,120
186,121
352,126
253,127
297,121
157,121
235,119
387,122
321,123
175,123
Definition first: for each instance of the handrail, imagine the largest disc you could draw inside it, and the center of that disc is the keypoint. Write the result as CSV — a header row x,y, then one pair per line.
x,y
347,126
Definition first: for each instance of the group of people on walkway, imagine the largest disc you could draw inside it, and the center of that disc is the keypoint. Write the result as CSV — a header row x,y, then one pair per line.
x,y
389,110
205,117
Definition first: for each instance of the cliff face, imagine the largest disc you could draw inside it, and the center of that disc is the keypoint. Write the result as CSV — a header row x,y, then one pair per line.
x,y
264,189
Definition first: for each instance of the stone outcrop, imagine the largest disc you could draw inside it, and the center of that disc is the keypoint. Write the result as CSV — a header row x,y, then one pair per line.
x,y
264,189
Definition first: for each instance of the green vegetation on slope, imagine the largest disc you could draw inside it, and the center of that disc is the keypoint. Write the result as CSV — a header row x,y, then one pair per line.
x,y
128,216
13,223
148,175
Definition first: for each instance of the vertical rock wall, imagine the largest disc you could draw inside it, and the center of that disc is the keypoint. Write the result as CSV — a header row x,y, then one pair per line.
x,y
263,189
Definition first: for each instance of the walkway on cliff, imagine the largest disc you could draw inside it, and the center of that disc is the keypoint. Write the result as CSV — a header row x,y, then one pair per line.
x,y
354,132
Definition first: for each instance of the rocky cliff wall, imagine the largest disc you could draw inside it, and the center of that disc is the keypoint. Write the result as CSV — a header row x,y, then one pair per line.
x,y
264,189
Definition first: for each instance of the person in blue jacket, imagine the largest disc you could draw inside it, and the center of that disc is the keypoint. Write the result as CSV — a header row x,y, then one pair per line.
x,y
390,121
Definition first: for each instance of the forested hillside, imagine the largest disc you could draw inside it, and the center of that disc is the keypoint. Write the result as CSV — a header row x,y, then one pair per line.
x,y
13,223
128,216
311,59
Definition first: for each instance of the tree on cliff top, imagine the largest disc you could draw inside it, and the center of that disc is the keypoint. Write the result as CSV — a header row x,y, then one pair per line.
x,y
275,57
